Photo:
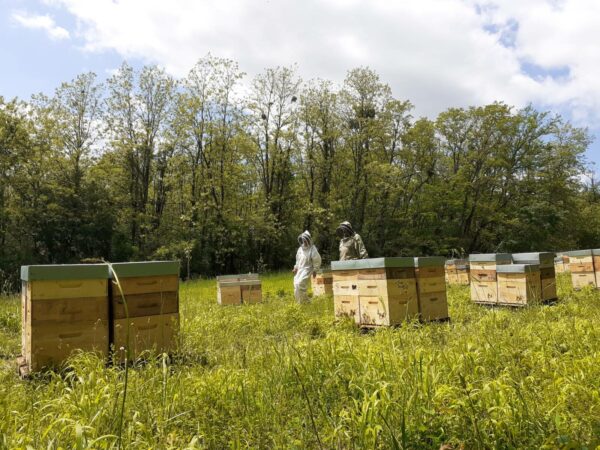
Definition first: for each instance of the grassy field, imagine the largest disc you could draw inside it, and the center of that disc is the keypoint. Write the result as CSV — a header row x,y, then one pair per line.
x,y
281,375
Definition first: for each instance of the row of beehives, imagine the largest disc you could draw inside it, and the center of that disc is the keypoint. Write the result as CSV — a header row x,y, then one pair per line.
x,y
585,268
131,307
512,279
388,291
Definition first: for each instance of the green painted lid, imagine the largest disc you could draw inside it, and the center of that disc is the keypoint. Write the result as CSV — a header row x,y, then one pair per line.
x,y
499,258
64,272
145,269
430,261
372,263
580,253
518,268
544,259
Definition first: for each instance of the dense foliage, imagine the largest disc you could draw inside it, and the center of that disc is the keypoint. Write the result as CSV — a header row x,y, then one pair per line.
x,y
282,375
224,174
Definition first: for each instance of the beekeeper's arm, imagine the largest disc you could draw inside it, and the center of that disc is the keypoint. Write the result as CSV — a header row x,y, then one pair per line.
x,y
298,254
362,251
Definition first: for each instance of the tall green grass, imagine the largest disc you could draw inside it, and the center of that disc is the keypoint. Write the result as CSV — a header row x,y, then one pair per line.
x,y
282,375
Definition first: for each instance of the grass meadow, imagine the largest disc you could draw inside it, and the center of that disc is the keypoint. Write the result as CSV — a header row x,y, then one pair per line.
x,y
282,375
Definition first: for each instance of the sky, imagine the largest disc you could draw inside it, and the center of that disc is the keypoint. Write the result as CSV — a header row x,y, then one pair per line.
x,y
435,53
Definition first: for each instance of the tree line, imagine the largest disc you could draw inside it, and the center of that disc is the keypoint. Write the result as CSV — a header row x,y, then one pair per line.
x,y
224,173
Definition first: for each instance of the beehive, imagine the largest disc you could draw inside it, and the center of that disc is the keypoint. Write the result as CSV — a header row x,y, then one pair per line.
x,y
484,286
322,282
545,261
463,274
519,284
596,255
64,308
431,288
144,307
238,289
581,265
451,274
375,292
561,264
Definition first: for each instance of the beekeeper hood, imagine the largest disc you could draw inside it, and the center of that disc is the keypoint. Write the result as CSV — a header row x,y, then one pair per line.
x,y
345,230
305,240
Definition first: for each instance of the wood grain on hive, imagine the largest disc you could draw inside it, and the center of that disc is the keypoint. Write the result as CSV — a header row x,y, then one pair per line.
x,y
545,261
144,307
484,285
581,265
431,288
239,289
65,308
322,282
519,284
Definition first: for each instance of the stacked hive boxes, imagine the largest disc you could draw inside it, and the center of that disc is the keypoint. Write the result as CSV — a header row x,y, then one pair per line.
x,y
431,288
375,292
561,264
144,307
322,283
484,286
457,271
238,289
581,265
64,308
545,261
519,284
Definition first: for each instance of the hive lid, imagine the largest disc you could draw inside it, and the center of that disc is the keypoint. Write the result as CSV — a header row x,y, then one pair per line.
x,y
596,251
463,267
544,259
576,253
499,258
518,268
247,276
372,263
144,269
64,272
558,259
233,282
456,262
430,261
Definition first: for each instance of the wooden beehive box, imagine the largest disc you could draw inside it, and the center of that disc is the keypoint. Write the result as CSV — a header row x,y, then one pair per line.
x,y
431,288
463,274
484,286
581,265
144,307
457,271
451,274
322,282
596,256
545,261
519,284
239,289
376,292
64,308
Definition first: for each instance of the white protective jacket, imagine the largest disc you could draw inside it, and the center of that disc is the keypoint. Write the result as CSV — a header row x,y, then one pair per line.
x,y
307,261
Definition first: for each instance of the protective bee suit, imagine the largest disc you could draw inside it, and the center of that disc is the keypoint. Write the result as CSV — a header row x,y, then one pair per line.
x,y
307,261
351,244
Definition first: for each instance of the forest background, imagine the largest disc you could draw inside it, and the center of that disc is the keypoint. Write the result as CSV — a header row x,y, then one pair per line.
x,y
223,173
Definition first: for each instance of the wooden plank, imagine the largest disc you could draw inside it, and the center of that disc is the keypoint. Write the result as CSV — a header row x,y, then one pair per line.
x,y
347,306
547,273
433,306
387,311
581,267
386,288
429,272
229,295
146,334
581,279
484,292
549,289
146,285
430,285
464,278
588,259
523,293
344,275
61,289
386,273
68,310
251,294
349,287
483,275
141,305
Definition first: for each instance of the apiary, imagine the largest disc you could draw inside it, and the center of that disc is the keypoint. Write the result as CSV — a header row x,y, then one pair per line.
x,y
519,284
484,286
144,307
581,265
545,261
64,308
239,289
431,288
322,282
375,292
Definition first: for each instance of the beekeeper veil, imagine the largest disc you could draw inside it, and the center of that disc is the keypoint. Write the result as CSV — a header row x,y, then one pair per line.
x,y
345,230
305,240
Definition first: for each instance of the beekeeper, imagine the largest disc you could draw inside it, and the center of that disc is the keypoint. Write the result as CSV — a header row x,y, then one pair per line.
x,y
351,244
307,261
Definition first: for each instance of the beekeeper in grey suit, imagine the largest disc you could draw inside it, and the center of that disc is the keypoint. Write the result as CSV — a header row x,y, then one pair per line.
x,y
307,261
351,244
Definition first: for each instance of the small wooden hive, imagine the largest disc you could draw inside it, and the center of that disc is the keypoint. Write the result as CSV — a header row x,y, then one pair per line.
x,y
145,308
375,292
463,273
451,274
484,286
457,271
581,265
64,308
238,289
545,261
560,265
322,283
431,288
519,284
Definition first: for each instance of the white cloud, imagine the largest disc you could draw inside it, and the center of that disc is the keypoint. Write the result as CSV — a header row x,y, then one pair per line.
x,y
437,53
41,22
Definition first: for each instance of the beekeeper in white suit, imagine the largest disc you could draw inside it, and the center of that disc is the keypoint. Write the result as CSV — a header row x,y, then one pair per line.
x,y
307,261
